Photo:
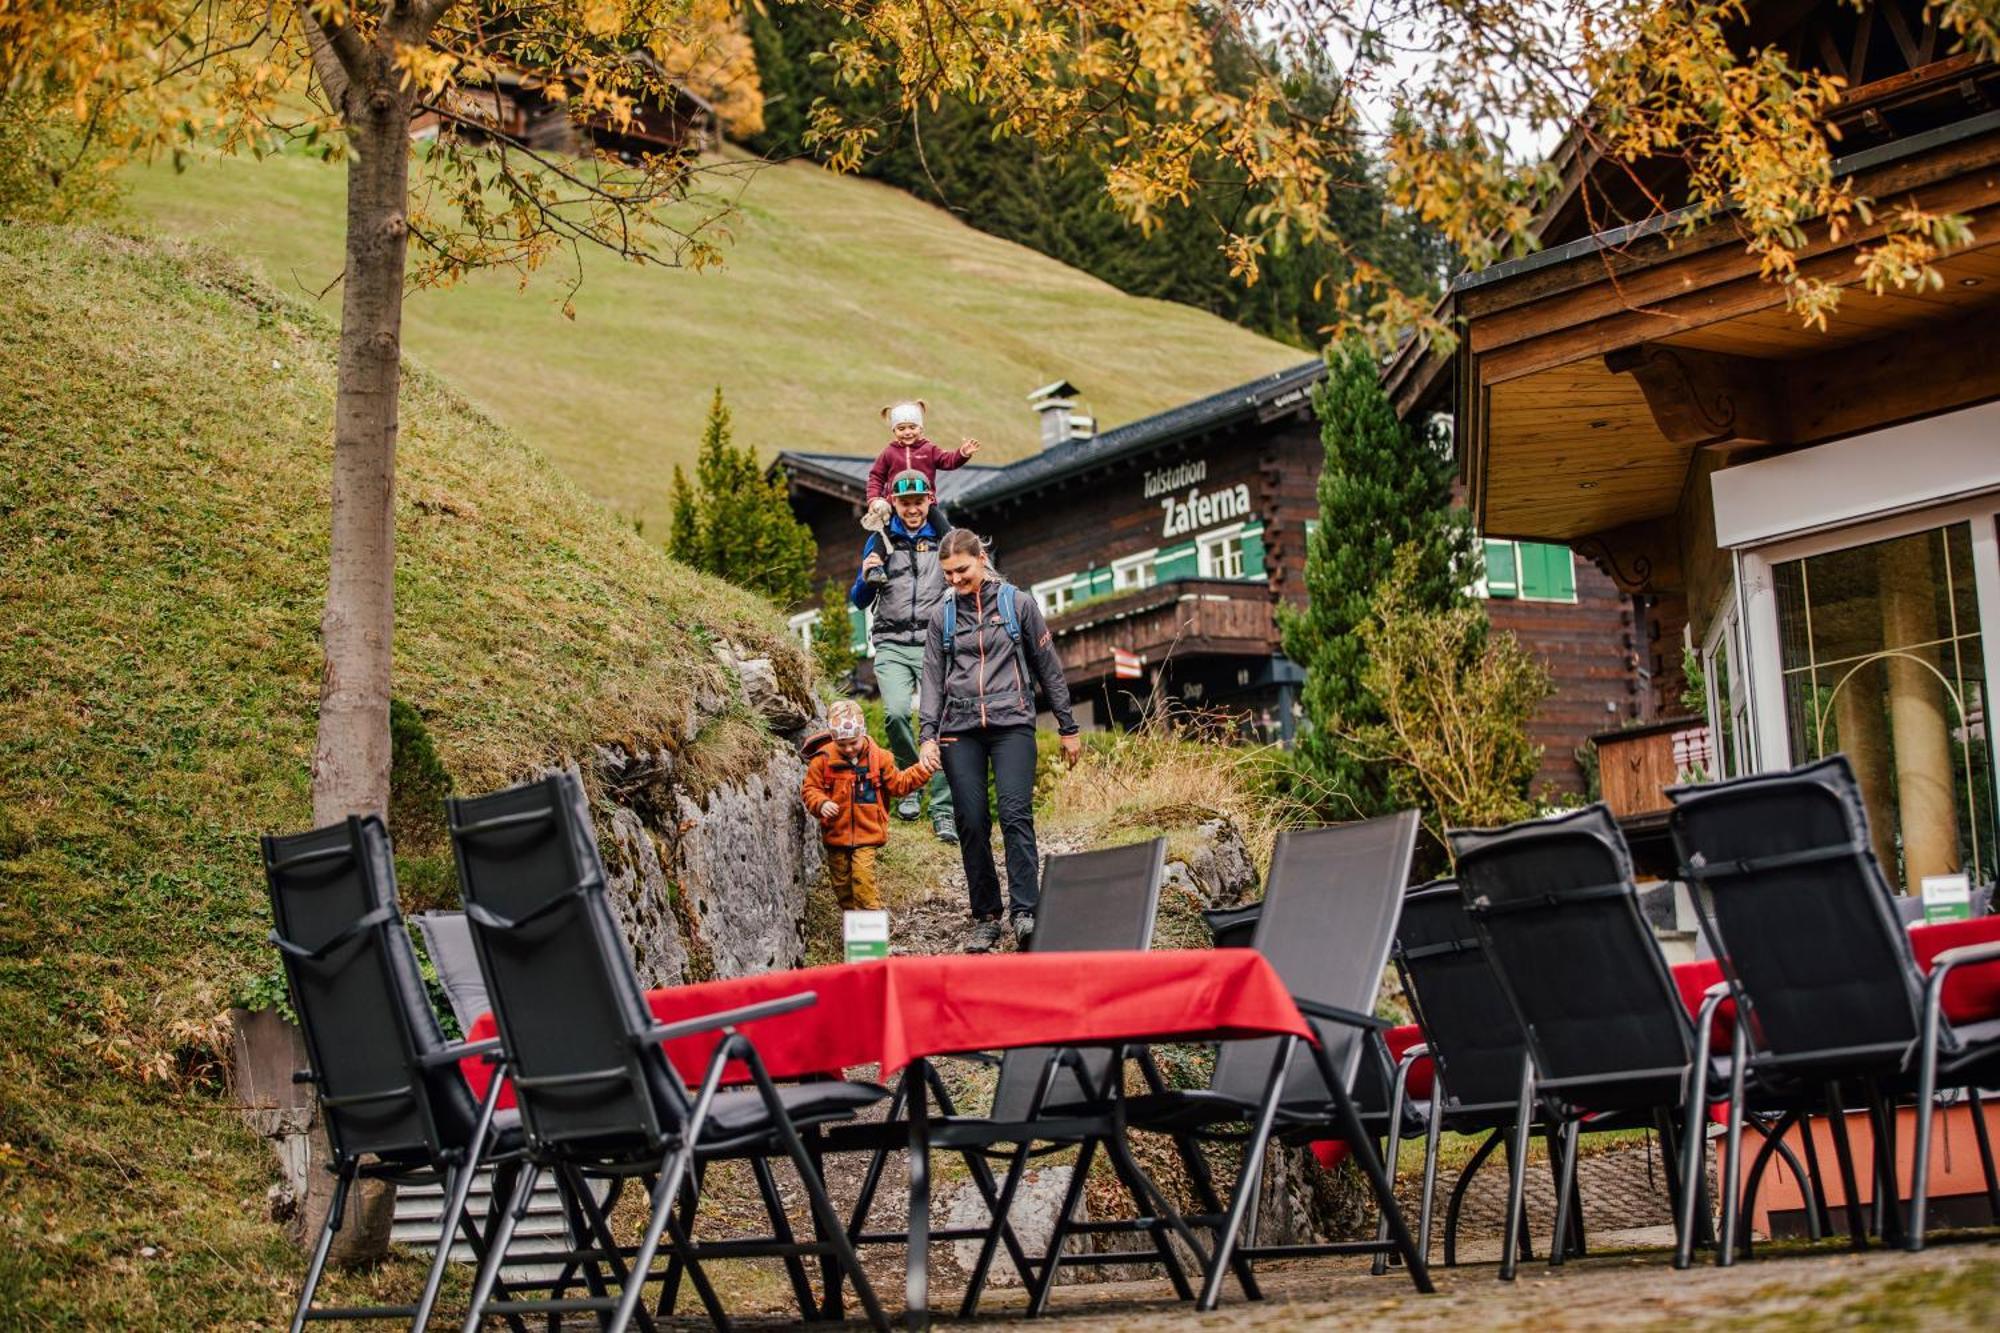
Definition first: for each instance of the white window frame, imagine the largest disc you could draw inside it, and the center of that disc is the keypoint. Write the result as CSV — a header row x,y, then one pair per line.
x,y
1056,595
1729,700
1204,550
1757,593
1133,572
802,625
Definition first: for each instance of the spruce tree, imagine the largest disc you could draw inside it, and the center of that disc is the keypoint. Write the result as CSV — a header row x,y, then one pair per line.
x,y
736,523
683,523
1383,486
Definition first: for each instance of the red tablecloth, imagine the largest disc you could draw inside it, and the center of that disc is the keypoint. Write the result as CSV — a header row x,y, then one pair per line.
x,y
894,1010
1971,993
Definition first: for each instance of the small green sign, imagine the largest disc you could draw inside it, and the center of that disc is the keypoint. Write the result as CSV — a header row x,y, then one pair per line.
x,y
1947,898
866,935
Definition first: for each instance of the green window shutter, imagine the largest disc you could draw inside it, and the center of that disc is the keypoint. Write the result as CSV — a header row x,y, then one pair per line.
x,y
1253,551
1503,579
1177,562
1099,581
1547,572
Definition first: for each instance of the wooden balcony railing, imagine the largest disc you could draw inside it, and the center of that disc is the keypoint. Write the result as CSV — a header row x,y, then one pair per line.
x,y
1185,618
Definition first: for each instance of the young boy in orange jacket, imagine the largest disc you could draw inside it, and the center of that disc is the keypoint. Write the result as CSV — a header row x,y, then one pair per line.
x,y
850,781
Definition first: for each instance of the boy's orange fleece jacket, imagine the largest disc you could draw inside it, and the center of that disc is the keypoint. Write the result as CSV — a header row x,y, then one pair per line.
x,y
862,788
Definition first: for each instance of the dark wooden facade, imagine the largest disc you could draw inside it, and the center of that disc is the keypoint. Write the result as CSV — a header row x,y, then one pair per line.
x,y
1074,512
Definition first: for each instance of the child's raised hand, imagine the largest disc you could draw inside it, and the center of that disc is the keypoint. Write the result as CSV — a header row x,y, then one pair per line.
x,y
828,809
968,446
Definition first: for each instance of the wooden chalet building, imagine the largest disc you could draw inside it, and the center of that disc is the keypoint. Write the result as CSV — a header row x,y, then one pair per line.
x,y
1171,541
1815,514
515,107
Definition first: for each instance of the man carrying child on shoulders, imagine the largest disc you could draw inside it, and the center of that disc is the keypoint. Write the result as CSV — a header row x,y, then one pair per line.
x,y
899,577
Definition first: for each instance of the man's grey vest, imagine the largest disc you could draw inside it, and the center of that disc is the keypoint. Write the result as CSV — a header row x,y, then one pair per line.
x,y
904,604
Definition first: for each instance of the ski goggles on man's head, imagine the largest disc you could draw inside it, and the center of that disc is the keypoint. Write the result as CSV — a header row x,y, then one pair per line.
x,y
910,486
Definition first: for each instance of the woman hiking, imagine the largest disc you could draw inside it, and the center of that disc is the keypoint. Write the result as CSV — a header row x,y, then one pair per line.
x,y
986,647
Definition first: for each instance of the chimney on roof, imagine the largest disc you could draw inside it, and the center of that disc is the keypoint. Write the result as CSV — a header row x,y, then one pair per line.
x,y
1055,404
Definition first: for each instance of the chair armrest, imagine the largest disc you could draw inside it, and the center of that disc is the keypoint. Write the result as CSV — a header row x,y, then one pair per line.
x,y
1718,991
1412,1055
451,1055
749,1013
1335,1014
304,1076
1947,959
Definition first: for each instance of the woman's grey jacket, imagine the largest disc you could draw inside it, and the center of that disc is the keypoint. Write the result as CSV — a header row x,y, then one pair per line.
x,y
990,680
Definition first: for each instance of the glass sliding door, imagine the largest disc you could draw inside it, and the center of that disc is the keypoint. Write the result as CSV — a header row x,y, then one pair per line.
x,y
1882,657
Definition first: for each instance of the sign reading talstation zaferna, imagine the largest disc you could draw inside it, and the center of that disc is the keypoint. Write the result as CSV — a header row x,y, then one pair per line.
x,y
1190,510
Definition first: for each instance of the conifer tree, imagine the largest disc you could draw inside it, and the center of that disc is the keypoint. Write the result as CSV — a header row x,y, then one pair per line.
x,y
1384,486
683,525
833,634
736,523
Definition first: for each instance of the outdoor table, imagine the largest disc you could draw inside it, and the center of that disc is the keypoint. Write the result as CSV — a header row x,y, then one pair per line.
x,y
896,1013
1971,993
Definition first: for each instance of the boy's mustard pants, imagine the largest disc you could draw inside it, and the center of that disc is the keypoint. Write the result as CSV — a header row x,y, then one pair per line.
x,y
851,872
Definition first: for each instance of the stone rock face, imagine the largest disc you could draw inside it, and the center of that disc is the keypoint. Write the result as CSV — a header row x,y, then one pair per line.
x,y
744,860
1219,871
1033,1214
786,710
643,900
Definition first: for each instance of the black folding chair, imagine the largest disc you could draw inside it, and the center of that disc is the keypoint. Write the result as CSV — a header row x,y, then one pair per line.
x,y
1818,962
1475,1044
392,1099
1553,905
596,1092
1381,1083
1097,900
1328,917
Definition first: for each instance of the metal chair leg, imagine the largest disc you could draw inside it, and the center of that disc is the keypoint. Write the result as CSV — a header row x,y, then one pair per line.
x,y
1517,1170
343,1182
1730,1189
1559,1240
1985,1142
1458,1192
1843,1150
1431,1132
989,1244
1052,1259
1246,1181
496,1253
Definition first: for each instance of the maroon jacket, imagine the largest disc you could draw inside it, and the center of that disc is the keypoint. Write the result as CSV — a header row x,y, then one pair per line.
x,y
924,456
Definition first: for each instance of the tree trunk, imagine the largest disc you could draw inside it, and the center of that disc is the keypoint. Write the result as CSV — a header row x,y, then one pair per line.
x,y
351,759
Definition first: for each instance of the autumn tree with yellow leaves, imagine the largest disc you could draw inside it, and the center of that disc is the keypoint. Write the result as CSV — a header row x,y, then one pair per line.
x,y
1457,97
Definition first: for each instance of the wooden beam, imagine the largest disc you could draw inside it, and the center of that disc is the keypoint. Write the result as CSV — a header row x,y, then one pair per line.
x,y
1710,304
1890,380
1643,557
1703,399
1623,266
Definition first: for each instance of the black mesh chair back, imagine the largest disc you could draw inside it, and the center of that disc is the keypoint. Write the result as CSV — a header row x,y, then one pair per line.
x,y
1554,903
1802,917
1090,900
360,996
1329,916
1475,1041
448,941
569,1006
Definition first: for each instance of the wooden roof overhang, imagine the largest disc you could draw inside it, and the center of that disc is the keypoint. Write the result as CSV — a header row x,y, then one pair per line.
x,y
1590,376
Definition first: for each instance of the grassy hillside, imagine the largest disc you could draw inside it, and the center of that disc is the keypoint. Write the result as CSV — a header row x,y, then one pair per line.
x,y
164,421
838,295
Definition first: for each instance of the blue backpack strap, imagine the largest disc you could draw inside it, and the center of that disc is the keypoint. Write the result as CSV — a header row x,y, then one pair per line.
x,y
1009,612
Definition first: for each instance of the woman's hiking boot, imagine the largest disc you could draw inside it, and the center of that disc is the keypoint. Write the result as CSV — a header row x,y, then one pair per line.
x,y
1024,929
985,937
